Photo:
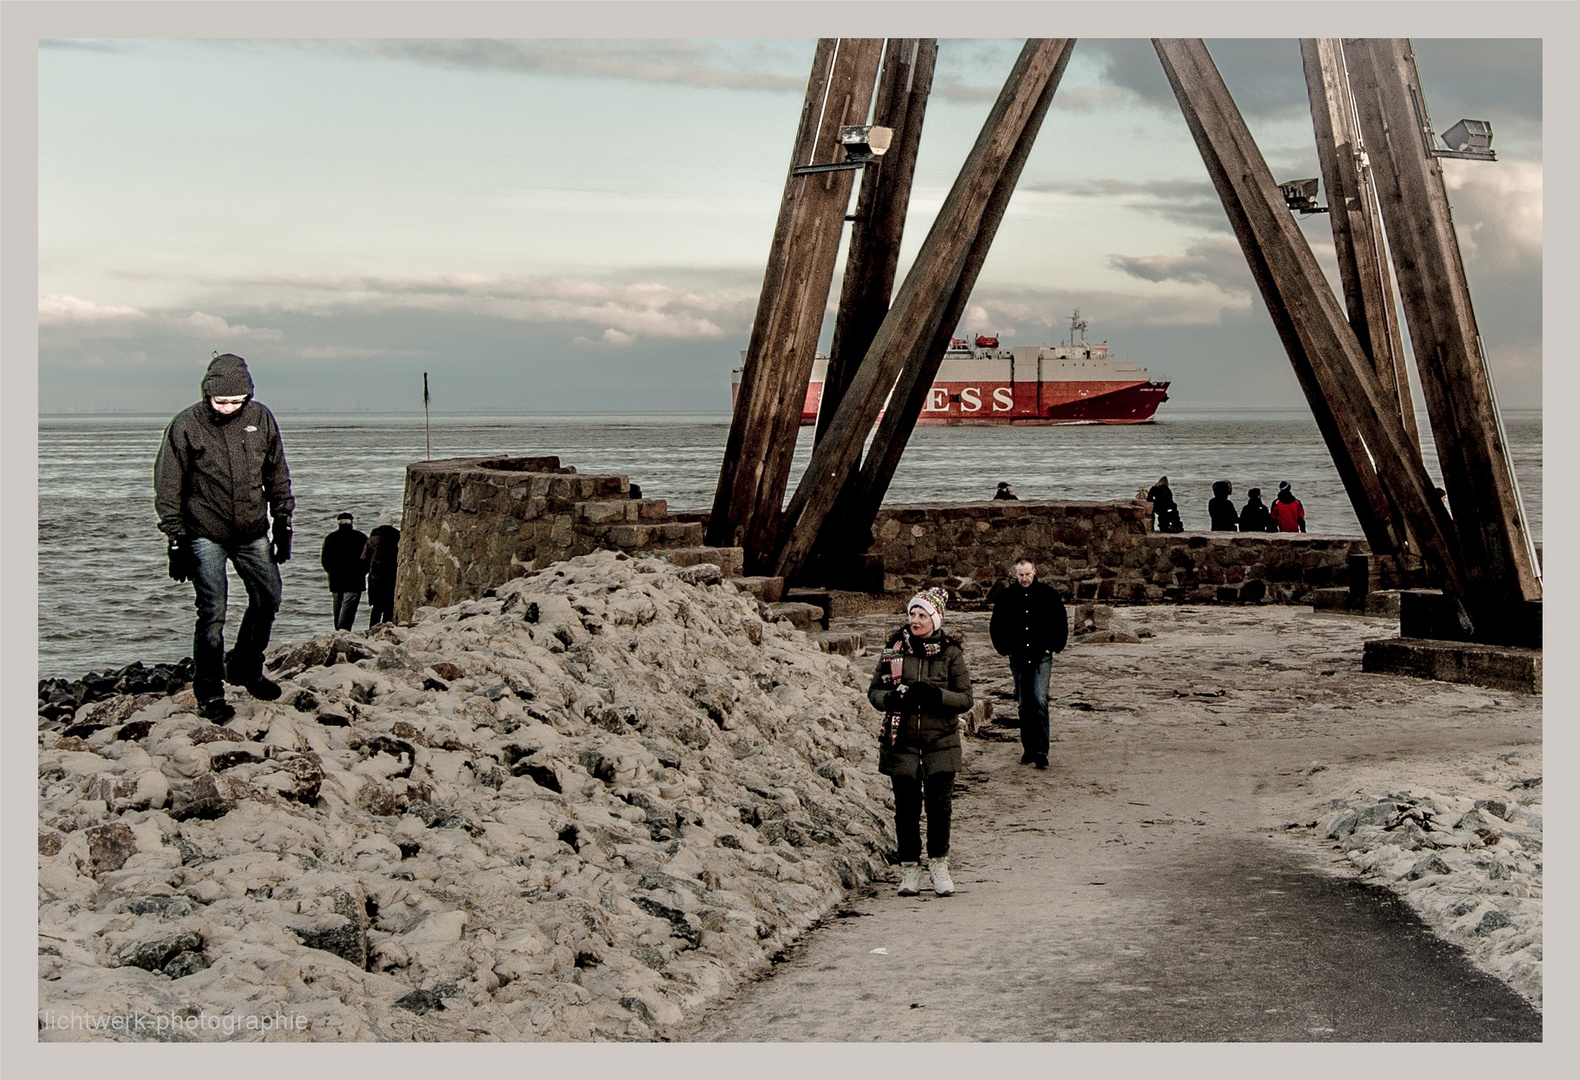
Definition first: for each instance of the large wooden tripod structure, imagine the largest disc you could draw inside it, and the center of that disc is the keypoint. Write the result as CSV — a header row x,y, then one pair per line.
x,y
1390,219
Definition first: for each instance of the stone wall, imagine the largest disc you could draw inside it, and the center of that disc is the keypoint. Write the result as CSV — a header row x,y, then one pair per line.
x,y
1101,551
472,524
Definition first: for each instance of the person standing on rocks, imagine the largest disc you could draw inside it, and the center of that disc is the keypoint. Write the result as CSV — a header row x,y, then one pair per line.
x,y
1287,513
379,555
342,560
219,478
1029,625
1005,491
922,686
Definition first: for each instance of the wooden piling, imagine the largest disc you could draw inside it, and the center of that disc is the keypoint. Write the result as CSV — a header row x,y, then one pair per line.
x,y
1477,475
767,415
1361,426
874,254
910,325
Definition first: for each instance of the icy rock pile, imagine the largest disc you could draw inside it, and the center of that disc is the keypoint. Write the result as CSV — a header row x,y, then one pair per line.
x,y
577,809
1471,867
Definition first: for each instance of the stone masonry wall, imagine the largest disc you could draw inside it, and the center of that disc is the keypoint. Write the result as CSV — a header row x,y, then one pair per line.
x,y
1101,551
471,524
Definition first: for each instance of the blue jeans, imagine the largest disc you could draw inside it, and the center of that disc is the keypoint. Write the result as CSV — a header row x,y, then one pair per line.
x,y
254,563
1031,695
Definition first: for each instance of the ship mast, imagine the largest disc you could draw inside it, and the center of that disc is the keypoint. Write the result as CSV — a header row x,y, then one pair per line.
x,y
1077,324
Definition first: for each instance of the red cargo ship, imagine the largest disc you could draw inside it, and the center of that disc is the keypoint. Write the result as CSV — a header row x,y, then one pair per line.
x,y
980,382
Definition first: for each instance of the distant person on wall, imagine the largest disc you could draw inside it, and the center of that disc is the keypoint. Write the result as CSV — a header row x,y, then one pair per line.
x,y
1164,509
1221,510
1254,517
379,554
922,686
1005,491
342,560
219,478
1029,625
1287,513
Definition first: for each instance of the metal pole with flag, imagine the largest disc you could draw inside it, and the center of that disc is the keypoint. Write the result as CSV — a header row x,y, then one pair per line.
x,y
427,440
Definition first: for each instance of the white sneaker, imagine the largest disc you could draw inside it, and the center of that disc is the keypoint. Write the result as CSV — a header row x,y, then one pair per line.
x,y
939,869
910,879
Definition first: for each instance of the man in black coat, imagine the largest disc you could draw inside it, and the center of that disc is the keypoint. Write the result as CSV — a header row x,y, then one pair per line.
x,y
1029,625
220,485
342,560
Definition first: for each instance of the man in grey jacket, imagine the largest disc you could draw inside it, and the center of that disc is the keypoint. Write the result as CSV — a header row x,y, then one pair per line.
x,y
218,480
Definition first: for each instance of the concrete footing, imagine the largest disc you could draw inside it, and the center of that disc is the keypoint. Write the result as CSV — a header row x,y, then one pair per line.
x,y
1497,667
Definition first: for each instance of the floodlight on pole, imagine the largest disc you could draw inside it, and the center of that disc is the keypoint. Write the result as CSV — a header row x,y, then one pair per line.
x,y
863,143
1468,139
1301,196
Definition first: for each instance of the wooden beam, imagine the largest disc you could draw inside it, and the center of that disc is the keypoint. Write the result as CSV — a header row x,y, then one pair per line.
x,y
790,309
874,254
1362,429
1466,428
928,287
916,379
1353,216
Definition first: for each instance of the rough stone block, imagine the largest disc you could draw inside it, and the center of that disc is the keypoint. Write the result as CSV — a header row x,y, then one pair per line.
x,y
1500,667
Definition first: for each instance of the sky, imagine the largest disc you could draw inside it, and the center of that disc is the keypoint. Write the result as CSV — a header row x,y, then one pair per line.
x,y
582,224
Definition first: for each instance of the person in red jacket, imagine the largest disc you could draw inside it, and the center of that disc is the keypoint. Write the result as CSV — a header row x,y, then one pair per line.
x,y
1288,515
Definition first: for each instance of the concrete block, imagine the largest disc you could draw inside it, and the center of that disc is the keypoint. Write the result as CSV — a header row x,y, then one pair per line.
x,y
1498,667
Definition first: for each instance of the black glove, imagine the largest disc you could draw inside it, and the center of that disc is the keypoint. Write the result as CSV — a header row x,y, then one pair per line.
x,y
282,539
183,561
893,701
924,695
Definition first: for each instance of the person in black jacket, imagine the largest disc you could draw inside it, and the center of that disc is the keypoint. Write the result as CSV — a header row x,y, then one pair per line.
x,y
1164,508
219,479
1220,509
1029,625
342,560
380,554
1254,517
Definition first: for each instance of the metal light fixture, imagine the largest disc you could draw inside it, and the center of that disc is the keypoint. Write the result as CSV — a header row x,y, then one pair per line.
x,y
1468,139
863,143
1301,196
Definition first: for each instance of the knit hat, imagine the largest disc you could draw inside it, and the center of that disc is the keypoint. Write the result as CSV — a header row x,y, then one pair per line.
x,y
386,518
1283,485
227,376
345,515
933,601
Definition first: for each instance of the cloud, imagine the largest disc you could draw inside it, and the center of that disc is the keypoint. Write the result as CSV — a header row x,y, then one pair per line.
x,y
1497,213
1188,202
1218,263
66,319
770,66
639,308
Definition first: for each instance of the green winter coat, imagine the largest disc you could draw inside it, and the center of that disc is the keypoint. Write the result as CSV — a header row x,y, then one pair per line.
x,y
928,742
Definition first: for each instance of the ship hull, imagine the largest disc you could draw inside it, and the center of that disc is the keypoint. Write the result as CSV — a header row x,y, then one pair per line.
x,y
1024,404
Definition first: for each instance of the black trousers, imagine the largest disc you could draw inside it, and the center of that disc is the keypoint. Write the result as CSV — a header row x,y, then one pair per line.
x,y
937,791
381,603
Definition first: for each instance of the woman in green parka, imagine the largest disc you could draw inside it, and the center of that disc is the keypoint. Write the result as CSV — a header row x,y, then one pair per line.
x,y
922,686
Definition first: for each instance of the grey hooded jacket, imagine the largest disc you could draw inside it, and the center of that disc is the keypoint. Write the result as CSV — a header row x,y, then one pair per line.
x,y
220,477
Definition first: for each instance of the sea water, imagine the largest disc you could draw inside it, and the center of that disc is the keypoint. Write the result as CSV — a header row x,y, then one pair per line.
x,y
105,599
